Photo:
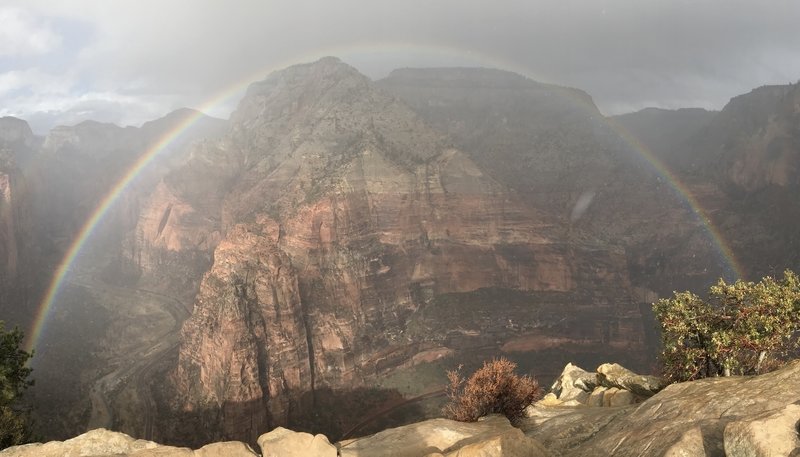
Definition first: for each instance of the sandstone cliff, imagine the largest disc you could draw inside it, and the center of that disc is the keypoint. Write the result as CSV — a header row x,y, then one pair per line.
x,y
563,156
350,237
16,244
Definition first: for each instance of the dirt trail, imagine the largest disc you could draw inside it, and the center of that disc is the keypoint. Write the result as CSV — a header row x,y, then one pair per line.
x,y
133,368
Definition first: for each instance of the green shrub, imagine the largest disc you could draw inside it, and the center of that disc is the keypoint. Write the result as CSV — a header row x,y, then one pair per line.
x,y
494,388
14,423
743,328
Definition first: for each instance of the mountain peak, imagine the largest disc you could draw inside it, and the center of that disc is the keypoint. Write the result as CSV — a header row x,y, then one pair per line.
x,y
15,130
323,71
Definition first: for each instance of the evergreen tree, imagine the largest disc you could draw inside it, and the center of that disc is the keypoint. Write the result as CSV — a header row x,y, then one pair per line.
x,y
14,422
743,328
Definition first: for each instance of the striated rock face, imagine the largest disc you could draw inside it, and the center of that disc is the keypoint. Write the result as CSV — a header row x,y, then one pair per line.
x,y
554,147
16,243
247,341
755,138
770,433
354,237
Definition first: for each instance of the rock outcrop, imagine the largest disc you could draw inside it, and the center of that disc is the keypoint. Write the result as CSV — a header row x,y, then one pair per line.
x,y
352,237
755,415
105,443
490,436
736,416
286,443
611,385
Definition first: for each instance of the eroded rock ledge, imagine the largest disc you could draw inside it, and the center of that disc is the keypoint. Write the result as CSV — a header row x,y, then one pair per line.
x,y
736,416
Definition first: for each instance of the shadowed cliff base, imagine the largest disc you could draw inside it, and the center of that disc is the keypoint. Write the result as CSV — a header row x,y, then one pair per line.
x,y
332,412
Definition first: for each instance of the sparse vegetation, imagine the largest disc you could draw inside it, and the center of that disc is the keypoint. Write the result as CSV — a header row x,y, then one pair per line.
x,y
494,388
743,328
14,423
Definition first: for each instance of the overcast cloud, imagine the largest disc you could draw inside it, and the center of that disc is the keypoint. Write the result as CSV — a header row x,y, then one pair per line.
x,y
131,61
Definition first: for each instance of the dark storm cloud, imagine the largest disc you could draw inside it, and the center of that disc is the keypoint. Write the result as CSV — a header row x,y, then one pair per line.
x,y
626,53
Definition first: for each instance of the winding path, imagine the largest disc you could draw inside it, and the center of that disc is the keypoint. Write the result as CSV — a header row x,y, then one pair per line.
x,y
133,370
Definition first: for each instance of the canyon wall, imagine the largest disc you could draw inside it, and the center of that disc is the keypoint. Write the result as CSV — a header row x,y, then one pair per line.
x,y
350,233
16,244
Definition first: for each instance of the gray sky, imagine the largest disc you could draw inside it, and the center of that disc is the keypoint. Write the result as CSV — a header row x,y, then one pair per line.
x,y
128,61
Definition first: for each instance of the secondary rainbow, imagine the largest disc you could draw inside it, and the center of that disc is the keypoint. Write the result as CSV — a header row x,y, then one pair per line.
x,y
236,89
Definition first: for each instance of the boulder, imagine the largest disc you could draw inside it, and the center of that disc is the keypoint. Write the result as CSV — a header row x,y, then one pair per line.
x,y
596,397
608,395
615,375
682,415
767,434
550,399
573,382
490,436
576,395
621,398
98,442
223,449
166,451
102,442
282,442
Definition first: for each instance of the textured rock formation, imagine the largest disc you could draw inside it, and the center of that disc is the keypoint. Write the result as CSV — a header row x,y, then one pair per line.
x,y
615,375
756,415
704,418
754,139
105,443
612,385
365,232
286,443
771,433
247,341
554,147
573,378
16,244
491,436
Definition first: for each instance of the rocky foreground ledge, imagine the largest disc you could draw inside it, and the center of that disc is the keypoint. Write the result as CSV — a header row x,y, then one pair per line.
x,y
611,412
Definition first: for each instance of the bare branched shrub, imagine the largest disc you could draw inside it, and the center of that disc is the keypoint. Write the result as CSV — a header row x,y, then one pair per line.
x,y
494,388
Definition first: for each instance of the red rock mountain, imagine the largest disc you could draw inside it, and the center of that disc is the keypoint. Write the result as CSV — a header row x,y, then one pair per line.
x,y
349,240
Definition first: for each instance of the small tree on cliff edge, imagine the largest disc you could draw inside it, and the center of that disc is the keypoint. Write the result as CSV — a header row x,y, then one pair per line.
x,y
14,423
743,328
495,388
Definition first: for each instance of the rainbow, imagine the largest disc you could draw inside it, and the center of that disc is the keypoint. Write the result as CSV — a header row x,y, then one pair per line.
x,y
454,56
686,195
